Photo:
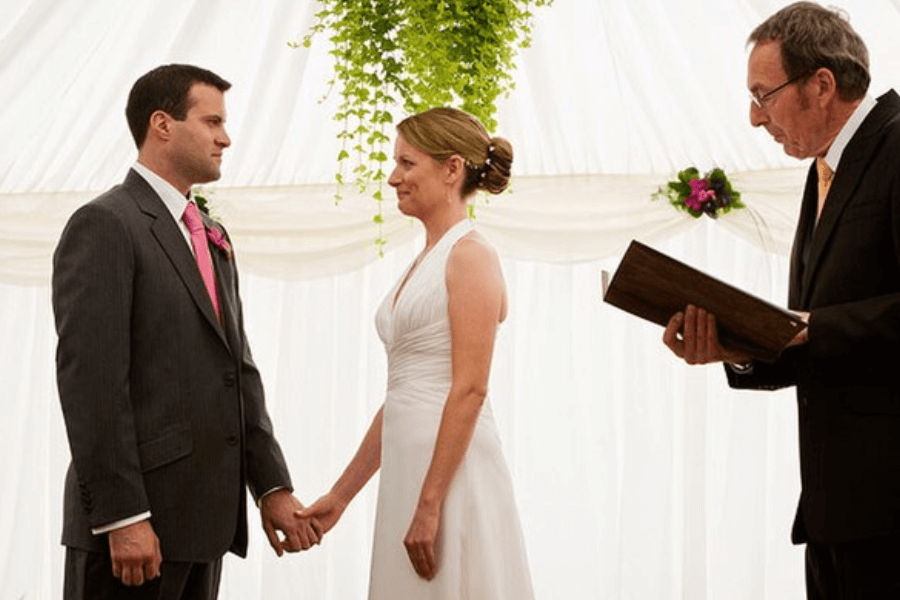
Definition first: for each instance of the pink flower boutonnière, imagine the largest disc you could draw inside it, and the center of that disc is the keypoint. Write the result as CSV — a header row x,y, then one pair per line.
x,y
215,235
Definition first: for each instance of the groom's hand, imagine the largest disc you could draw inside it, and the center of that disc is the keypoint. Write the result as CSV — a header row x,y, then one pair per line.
x,y
277,511
134,550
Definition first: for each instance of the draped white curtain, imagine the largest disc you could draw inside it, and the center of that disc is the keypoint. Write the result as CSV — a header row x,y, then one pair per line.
x,y
636,476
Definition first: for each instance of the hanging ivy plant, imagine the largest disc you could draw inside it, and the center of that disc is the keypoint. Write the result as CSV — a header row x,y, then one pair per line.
x,y
414,55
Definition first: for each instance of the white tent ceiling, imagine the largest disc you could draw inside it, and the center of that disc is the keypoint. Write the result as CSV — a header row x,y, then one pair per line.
x,y
608,87
612,98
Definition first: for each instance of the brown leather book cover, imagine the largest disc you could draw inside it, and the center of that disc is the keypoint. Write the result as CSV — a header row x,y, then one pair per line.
x,y
654,286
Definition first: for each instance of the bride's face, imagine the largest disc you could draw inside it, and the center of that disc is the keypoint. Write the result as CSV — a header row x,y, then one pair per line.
x,y
418,179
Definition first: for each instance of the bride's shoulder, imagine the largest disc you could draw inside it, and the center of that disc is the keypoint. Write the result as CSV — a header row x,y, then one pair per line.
x,y
473,255
473,246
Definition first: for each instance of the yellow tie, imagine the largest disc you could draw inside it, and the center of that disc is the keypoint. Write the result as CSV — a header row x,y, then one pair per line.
x,y
825,177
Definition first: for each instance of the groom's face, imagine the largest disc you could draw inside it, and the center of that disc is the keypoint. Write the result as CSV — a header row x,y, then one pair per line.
x,y
197,142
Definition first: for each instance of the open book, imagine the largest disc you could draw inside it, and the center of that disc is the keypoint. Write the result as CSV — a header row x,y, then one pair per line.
x,y
653,286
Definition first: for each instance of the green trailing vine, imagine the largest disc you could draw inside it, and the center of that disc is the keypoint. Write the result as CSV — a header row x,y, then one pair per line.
x,y
414,55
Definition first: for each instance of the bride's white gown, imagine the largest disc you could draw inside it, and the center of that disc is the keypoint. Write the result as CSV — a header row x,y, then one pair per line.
x,y
481,553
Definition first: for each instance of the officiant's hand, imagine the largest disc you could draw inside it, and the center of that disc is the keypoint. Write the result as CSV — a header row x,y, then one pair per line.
x,y
692,335
803,336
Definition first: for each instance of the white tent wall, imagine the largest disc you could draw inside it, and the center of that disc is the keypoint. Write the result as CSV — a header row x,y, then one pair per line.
x,y
636,476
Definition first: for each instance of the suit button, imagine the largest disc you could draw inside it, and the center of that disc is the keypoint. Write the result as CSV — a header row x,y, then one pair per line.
x,y
803,401
232,440
228,379
86,499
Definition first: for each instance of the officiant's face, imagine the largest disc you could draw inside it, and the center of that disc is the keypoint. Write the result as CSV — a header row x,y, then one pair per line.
x,y
418,180
786,111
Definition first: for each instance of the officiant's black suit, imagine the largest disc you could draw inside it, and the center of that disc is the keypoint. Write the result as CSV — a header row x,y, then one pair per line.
x,y
846,272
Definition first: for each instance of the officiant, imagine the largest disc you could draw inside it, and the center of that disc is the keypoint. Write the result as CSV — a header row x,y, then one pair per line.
x,y
808,76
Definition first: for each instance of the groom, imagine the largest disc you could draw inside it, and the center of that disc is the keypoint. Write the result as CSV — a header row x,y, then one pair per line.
x,y
163,405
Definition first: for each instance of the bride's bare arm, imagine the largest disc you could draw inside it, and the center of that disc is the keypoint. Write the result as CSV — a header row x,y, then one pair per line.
x,y
367,460
477,303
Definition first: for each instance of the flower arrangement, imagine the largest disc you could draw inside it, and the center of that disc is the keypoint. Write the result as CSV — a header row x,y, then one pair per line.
x,y
711,195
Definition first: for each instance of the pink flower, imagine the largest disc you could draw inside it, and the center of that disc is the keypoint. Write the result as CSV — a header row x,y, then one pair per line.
x,y
700,193
218,239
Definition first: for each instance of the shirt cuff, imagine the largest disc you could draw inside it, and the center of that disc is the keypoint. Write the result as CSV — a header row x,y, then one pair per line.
x,y
275,489
121,523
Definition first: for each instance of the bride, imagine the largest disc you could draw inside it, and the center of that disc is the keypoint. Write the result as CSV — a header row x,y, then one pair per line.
x,y
446,524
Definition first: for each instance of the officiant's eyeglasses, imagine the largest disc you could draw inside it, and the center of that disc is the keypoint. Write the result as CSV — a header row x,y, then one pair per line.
x,y
761,101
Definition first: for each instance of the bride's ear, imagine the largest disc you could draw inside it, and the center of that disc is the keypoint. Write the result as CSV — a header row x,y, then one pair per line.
x,y
456,168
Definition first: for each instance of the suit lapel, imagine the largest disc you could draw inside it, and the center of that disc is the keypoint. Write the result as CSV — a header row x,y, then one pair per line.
x,y
172,241
802,242
854,161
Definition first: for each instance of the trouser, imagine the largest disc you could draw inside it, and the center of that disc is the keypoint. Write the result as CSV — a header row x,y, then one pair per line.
x,y
866,569
88,576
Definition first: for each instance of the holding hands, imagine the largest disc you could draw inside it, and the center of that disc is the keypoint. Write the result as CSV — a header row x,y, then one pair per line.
x,y
325,511
278,511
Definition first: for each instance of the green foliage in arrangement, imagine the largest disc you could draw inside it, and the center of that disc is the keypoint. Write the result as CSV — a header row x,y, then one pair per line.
x,y
414,54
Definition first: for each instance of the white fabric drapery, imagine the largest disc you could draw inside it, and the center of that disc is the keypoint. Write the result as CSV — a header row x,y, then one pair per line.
x,y
636,476
297,232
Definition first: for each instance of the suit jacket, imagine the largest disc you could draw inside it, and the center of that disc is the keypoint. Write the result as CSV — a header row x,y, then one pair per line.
x,y
846,272
163,405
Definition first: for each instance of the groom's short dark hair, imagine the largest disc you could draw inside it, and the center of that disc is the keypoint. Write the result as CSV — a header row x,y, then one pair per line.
x,y
165,88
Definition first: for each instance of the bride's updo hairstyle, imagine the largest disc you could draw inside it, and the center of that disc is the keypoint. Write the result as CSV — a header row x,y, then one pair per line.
x,y
443,132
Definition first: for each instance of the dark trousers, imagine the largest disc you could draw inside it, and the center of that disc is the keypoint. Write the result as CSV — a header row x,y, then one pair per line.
x,y
88,576
861,570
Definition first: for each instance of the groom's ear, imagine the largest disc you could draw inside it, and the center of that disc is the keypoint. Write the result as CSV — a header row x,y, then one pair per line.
x,y
160,125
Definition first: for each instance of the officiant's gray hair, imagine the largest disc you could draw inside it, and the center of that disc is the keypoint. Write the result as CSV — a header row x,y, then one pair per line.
x,y
442,132
813,37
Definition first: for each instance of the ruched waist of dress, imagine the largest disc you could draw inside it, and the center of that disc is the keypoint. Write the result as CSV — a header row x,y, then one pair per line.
x,y
419,362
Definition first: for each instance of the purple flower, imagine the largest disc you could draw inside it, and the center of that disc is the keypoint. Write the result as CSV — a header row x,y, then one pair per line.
x,y
700,194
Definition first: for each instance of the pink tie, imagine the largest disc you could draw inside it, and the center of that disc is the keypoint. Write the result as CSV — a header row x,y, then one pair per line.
x,y
201,251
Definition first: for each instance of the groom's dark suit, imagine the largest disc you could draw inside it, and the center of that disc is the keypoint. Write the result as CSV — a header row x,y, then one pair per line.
x,y
163,405
846,272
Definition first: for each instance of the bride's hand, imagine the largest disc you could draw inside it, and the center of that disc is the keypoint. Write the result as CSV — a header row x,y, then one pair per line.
x,y
421,542
325,511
